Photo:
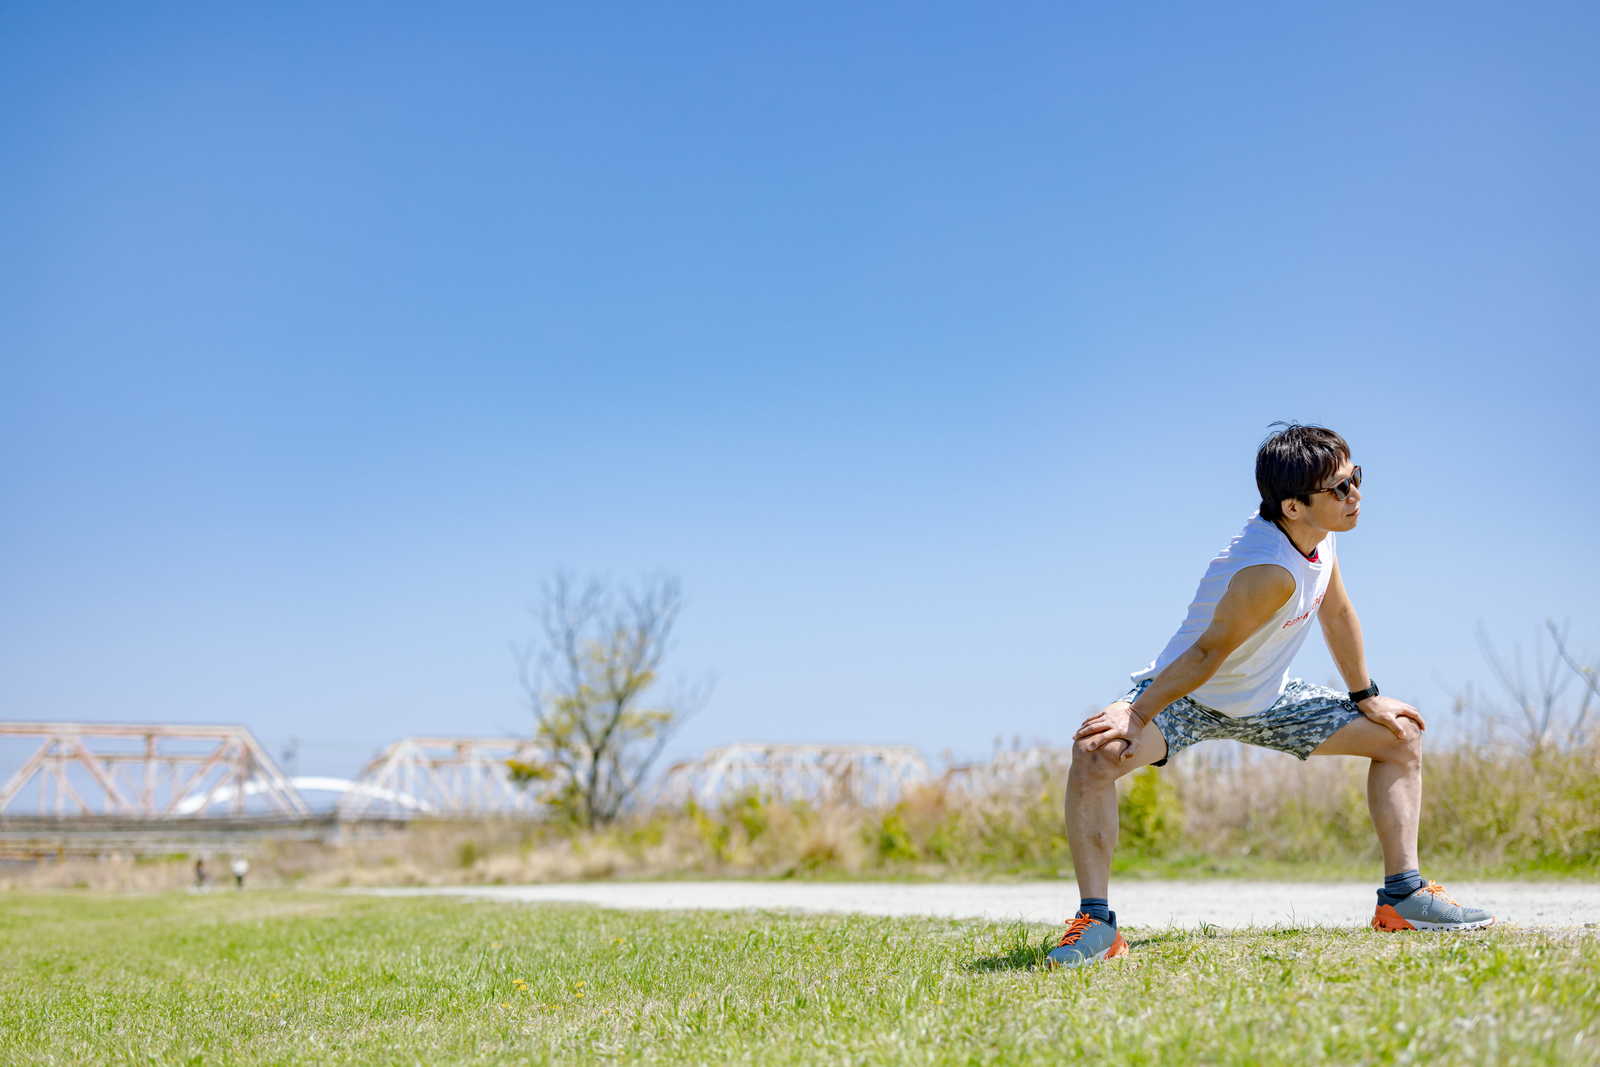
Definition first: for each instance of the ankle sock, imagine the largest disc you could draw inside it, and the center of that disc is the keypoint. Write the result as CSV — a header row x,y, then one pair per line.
x,y
1099,907
1396,887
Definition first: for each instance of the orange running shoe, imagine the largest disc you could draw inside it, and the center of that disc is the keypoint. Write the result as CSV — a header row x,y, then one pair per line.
x,y
1087,940
1430,908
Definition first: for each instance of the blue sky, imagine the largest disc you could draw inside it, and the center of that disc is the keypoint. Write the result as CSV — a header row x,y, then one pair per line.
x,y
929,344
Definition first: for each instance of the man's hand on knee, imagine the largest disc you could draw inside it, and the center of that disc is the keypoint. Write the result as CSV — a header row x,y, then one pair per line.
x,y
1114,728
1387,711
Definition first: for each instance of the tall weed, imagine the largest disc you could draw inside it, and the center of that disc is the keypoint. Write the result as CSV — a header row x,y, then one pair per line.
x,y
1490,807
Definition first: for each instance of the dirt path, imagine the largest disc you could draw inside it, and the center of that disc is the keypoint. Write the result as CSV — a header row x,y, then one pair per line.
x,y
1138,903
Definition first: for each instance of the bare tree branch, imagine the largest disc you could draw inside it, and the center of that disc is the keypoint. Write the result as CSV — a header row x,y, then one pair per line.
x,y
1537,700
1585,671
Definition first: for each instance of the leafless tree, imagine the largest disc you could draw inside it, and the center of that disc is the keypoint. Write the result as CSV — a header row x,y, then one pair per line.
x,y
587,684
1537,690
1586,671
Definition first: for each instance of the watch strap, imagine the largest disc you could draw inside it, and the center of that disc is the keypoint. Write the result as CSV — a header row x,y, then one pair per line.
x,y
1358,695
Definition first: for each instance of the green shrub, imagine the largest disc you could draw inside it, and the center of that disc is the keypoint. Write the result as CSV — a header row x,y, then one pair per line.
x,y
1148,813
893,843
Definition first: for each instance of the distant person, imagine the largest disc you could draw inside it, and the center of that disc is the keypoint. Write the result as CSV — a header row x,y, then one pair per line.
x,y
200,876
240,867
1226,675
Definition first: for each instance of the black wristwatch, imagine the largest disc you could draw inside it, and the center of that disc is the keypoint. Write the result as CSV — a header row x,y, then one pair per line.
x,y
1359,695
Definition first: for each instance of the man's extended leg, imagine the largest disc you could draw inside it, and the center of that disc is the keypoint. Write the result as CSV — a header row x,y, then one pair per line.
x,y
1394,796
1394,783
1092,933
1092,806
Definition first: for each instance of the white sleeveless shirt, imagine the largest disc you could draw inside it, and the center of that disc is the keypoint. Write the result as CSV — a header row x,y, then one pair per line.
x,y
1253,677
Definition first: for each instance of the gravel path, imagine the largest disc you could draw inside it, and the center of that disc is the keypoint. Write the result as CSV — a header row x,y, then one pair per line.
x,y
1138,903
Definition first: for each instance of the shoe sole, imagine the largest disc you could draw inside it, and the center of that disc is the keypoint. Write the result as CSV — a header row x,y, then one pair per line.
x,y
1480,924
1390,920
1116,950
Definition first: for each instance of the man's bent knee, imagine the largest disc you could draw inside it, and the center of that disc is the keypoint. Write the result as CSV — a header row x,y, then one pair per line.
x,y
1409,747
1102,762
1404,750
1372,740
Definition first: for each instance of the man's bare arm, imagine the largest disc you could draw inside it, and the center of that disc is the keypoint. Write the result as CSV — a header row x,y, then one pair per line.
x,y
1253,596
1341,629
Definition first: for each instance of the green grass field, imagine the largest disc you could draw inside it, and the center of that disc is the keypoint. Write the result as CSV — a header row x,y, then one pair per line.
x,y
302,978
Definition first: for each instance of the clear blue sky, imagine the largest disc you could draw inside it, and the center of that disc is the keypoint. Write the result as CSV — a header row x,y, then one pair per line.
x,y
929,344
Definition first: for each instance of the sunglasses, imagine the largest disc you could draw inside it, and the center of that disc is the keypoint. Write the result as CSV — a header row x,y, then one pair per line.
x,y
1341,489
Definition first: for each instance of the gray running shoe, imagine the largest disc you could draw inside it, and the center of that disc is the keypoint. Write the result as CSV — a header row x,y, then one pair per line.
x,y
1430,908
1087,940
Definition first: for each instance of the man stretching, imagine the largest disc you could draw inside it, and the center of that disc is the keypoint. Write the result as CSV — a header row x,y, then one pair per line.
x,y
1225,675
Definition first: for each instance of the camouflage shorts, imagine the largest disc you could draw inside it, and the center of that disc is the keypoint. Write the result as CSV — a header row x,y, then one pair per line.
x,y
1300,719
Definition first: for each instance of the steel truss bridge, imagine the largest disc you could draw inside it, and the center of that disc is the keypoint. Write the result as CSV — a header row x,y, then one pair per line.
x,y
444,777
859,775
872,776
1009,771
145,772
98,787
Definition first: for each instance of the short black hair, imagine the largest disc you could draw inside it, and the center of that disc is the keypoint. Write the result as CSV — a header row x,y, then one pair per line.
x,y
1294,462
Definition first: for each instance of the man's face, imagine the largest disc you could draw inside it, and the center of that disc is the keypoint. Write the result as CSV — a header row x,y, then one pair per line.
x,y
1328,512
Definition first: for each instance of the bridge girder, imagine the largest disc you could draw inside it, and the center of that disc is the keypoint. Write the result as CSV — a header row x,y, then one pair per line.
x,y
145,771
445,777
862,775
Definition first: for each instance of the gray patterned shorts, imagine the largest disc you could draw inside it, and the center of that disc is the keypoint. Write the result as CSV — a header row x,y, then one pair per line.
x,y
1303,717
